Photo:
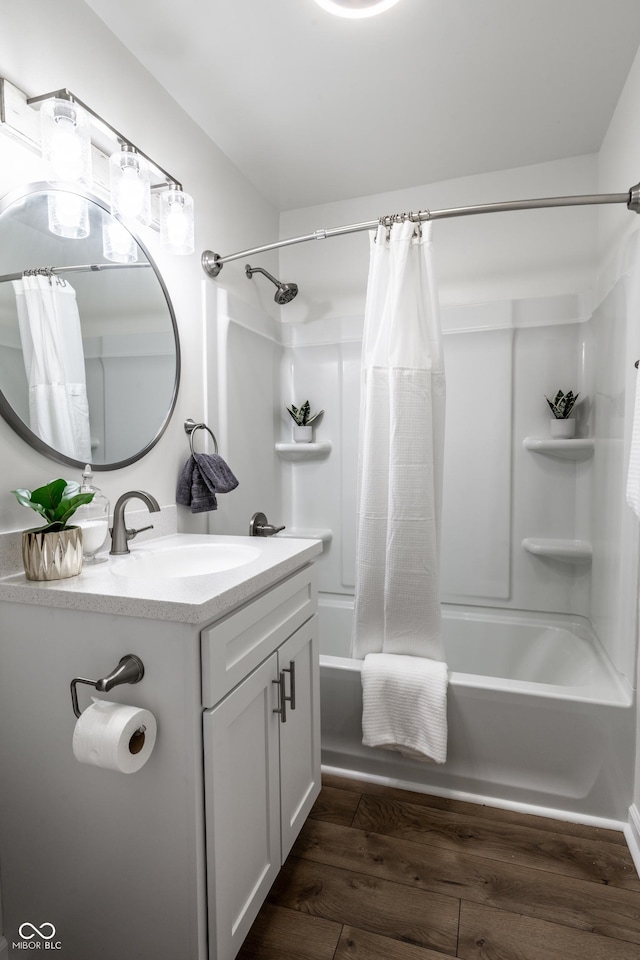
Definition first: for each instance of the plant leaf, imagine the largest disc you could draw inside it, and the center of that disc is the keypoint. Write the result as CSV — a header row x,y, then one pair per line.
x,y
55,501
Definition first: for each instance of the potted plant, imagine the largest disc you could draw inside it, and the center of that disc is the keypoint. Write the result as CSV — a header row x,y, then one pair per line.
x,y
53,551
303,419
561,407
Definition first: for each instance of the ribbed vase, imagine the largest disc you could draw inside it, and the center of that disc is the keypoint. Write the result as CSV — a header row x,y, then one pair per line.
x,y
52,555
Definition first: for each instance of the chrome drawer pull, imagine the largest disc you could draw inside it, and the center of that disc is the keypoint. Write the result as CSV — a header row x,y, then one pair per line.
x,y
291,669
282,699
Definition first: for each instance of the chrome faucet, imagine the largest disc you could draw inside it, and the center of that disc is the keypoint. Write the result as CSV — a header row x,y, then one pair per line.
x,y
120,535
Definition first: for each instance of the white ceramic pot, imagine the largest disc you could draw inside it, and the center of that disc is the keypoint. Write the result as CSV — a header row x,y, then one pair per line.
x,y
302,434
562,429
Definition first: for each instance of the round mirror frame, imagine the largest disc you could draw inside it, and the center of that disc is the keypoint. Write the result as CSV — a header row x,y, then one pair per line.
x,y
7,411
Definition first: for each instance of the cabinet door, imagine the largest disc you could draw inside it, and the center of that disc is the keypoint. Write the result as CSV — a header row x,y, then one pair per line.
x,y
300,733
242,807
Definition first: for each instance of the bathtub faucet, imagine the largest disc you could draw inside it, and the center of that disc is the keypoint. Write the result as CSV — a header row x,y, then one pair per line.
x,y
260,526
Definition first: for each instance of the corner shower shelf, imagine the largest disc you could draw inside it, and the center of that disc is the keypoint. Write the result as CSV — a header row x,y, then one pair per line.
x,y
568,551
303,451
562,449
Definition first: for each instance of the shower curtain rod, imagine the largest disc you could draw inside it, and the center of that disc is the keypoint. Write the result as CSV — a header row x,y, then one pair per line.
x,y
212,263
78,268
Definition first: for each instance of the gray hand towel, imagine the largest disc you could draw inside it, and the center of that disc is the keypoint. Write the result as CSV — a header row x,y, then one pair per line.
x,y
215,472
202,476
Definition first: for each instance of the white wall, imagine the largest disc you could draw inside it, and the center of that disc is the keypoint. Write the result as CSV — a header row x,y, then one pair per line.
x,y
618,276
45,47
494,257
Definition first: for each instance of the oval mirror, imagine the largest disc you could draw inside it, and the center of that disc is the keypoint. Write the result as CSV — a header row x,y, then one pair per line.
x,y
89,349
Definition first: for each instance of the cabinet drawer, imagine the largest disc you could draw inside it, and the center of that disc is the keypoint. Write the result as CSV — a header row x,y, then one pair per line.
x,y
235,645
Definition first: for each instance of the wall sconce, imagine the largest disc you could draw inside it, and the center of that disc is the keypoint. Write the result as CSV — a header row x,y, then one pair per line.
x,y
130,184
79,146
176,220
66,141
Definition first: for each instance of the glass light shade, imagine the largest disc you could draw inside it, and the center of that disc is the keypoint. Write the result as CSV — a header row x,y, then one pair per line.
x,y
65,131
68,215
117,243
356,9
130,184
176,221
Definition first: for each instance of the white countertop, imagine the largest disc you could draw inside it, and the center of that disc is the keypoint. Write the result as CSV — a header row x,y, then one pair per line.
x,y
195,599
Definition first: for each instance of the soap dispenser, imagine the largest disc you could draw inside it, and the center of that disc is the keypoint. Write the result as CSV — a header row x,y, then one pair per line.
x,y
93,517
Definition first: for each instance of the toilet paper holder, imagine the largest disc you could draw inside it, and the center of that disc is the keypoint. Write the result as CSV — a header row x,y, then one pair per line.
x,y
130,669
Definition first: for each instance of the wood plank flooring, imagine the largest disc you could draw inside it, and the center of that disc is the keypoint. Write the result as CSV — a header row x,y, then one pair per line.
x,y
384,874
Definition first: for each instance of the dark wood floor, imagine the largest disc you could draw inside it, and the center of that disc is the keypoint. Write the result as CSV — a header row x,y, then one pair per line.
x,y
382,874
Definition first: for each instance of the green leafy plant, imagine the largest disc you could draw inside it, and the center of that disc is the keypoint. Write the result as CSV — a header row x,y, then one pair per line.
x,y
56,501
562,404
302,415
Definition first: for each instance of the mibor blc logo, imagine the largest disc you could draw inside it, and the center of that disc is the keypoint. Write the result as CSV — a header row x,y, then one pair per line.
x,y
36,938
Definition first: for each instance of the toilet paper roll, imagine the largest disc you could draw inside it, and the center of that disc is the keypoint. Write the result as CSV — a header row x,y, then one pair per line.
x,y
114,736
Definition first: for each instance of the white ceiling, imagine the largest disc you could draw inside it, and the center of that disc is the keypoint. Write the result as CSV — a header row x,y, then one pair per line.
x,y
314,108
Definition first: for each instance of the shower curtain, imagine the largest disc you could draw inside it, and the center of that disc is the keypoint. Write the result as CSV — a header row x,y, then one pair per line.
x,y
397,605
54,362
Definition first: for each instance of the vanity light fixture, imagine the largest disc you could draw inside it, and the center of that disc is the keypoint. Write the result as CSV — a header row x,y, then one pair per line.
x,y
176,220
110,164
130,185
65,136
356,9
66,141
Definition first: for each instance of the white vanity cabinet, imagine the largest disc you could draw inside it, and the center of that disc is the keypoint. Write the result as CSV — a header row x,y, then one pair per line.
x,y
175,859
262,774
261,759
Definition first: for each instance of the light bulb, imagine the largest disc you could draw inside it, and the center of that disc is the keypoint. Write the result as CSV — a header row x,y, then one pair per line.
x,y
130,185
66,141
356,9
176,221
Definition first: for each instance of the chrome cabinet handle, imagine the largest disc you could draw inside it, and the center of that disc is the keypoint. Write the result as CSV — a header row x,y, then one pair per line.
x,y
282,699
291,670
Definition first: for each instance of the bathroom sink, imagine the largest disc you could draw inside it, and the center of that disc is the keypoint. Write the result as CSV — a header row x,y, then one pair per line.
x,y
184,560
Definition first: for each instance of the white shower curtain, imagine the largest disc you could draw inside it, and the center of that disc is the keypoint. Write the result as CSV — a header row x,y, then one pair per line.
x,y
54,362
397,608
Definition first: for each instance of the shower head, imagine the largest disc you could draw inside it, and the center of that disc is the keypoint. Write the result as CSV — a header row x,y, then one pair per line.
x,y
285,292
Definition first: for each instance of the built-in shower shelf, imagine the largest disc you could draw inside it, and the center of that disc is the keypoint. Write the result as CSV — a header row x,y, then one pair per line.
x,y
569,551
308,533
574,448
303,451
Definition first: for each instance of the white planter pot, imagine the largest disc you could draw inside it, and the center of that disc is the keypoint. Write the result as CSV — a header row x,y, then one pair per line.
x,y
562,429
303,434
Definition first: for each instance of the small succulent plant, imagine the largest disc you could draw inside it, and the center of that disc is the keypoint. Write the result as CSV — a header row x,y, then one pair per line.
x,y
56,501
302,415
562,404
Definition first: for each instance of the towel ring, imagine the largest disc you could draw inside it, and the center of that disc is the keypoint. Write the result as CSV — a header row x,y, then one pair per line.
x,y
190,427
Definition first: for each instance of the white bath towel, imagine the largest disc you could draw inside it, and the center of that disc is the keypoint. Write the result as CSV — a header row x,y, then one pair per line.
x,y
633,477
404,705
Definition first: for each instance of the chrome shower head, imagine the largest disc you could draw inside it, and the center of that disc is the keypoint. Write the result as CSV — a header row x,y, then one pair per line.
x,y
285,292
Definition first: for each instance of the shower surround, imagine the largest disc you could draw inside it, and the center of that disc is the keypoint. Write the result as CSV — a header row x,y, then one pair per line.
x,y
501,358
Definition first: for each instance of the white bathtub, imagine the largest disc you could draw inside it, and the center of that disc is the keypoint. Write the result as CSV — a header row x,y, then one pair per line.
x,y
537,714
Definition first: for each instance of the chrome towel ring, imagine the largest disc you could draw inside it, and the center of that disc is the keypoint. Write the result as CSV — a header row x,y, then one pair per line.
x,y
190,428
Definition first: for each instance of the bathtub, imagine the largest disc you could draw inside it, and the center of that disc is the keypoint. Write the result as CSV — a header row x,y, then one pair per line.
x,y
537,715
